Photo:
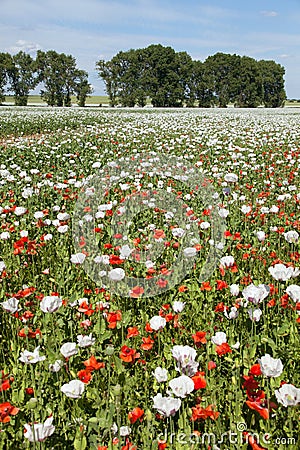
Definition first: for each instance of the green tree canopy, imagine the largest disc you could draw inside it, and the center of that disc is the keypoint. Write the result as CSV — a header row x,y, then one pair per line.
x,y
61,78
272,83
172,78
22,77
5,66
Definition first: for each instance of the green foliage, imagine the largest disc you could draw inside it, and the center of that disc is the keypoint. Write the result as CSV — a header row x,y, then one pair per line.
x,y
61,79
5,64
173,79
272,83
22,77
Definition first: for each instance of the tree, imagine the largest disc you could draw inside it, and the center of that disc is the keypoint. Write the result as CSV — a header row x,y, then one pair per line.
x,y
5,65
247,83
162,77
221,66
60,77
172,78
128,71
22,77
108,72
204,85
82,87
272,75
186,88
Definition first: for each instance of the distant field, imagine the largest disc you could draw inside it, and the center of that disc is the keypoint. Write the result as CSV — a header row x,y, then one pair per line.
x,y
36,99
104,100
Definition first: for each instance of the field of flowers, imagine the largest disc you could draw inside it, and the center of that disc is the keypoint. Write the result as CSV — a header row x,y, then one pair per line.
x,y
149,279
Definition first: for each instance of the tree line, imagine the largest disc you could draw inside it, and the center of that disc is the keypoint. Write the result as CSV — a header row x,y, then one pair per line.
x,y
58,73
166,77
174,79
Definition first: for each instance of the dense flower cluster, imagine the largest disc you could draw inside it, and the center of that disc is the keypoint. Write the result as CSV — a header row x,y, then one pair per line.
x,y
87,366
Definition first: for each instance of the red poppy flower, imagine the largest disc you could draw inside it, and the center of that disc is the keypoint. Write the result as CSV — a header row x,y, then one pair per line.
x,y
182,288
4,382
252,441
220,307
24,292
162,445
135,414
29,333
199,381
29,391
136,292
221,285
148,328
199,338
84,376
159,234
255,369
128,354
112,318
132,331
162,283
27,315
223,349
211,365
129,446
86,308
93,364
203,413
147,343
205,286
250,383
7,410
259,407
115,260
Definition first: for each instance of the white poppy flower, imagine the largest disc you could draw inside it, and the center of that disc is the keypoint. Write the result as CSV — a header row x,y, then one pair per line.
x,y
73,389
31,357
166,406
288,395
178,306
157,323
219,338
294,292
182,386
50,303
160,374
10,305
269,366
69,349
38,432
85,341
78,258
116,274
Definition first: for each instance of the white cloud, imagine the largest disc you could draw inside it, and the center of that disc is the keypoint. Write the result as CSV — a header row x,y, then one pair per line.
x,y
269,13
24,46
284,56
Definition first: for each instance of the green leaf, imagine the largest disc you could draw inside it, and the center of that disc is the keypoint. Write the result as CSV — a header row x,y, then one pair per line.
x,y
80,443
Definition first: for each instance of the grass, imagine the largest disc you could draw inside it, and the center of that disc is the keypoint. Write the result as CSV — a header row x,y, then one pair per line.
x,y
104,100
36,100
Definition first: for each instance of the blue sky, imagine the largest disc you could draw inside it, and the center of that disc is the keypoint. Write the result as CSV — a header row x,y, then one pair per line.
x,y
97,29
